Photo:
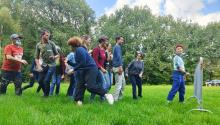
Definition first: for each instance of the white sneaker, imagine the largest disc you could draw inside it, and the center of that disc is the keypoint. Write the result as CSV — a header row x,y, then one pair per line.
x,y
109,98
79,103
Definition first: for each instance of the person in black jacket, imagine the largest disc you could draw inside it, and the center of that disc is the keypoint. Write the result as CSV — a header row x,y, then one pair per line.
x,y
135,71
33,76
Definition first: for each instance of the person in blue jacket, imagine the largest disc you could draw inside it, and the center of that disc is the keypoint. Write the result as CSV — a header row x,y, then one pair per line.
x,y
86,73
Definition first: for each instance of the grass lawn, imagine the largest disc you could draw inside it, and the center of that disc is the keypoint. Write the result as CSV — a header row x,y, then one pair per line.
x,y
32,109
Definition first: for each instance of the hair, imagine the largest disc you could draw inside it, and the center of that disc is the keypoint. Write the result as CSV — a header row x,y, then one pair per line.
x,y
179,45
103,39
139,52
85,37
117,38
75,41
43,32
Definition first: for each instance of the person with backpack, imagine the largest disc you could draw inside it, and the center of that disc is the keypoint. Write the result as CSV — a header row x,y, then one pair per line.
x,y
99,55
86,72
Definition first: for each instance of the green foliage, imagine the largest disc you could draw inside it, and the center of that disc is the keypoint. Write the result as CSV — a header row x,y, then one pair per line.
x,y
137,25
159,35
64,19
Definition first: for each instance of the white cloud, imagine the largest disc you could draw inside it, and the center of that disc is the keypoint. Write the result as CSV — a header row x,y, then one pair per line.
x,y
184,9
154,5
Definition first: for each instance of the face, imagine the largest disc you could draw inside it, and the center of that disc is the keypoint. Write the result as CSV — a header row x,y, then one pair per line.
x,y
104,44
46,36
88,41
17,41
121,40
139,56
179,50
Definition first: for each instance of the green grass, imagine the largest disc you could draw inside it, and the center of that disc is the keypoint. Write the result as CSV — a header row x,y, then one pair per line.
x,y
32,109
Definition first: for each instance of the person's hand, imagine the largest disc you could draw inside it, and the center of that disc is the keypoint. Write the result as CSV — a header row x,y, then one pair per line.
x,y
140,75
71,71
52,57
126,75
103,70
24,62
187,73
62,77
31,75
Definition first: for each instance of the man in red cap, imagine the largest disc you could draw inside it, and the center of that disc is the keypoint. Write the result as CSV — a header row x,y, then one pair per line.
x,y
178,75
11,67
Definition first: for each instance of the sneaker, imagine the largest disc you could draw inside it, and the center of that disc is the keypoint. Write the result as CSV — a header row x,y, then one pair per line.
x,y
109,98
79,103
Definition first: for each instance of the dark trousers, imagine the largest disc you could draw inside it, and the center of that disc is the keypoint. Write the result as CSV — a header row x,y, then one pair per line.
x,y
72,86
45,78
31,83
7,77
136,81
87,79
101,81
178,86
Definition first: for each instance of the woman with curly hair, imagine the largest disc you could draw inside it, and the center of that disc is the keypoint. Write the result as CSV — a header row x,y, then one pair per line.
x,y
87,73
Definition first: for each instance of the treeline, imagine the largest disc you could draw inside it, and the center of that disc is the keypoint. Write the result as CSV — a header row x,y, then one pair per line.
x,y
158,35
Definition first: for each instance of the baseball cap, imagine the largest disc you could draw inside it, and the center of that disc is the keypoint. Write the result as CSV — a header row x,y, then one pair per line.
x,y
15,36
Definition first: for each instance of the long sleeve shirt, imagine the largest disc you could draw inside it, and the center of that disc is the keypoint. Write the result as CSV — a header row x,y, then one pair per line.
x,y
135,67
83,60
117,56
99,56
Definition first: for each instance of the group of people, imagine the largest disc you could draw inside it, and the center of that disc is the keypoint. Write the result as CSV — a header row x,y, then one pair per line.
x,y
87,69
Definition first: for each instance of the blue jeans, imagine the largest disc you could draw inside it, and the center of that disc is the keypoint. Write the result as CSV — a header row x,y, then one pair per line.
x,y
56,79
45,78
178,85
7,77
136,81
72,86
110,75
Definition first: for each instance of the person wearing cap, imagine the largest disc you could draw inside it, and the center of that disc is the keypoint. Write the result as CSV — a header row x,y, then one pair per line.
x,y
11,67
135,71
117,63
45,56
87,73
99,55
178,75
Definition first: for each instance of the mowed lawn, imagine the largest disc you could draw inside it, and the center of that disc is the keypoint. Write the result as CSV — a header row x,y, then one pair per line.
x,y
32,109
